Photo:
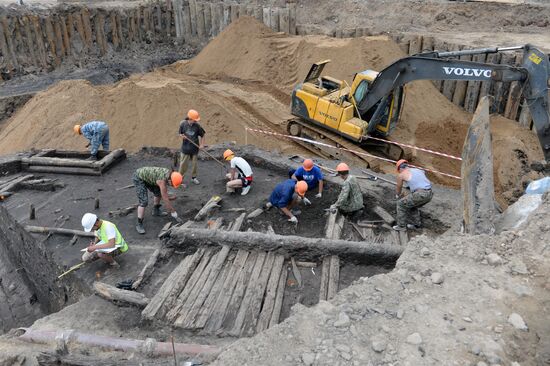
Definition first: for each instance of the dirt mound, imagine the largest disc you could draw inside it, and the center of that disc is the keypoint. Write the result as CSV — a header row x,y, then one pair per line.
x,y
244,78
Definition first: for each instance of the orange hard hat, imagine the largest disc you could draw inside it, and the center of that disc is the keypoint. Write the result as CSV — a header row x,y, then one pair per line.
x,y
76,129
194,115
301,187
308,165
227,154
342,167
399,162
176,179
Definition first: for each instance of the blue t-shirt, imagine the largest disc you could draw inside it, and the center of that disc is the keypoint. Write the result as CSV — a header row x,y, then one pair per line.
x,y
282,194
312,177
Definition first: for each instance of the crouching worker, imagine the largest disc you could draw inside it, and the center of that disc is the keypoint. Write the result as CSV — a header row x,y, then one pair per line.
x,y
97,132
240,174
108,242
350,200
312,175
408,214
156,180
286,195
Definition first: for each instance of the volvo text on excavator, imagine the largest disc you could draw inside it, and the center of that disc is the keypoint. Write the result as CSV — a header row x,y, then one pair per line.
x,y
341,115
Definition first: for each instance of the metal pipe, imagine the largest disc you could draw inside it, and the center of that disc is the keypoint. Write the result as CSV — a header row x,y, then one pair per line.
x,y
478,51
149,347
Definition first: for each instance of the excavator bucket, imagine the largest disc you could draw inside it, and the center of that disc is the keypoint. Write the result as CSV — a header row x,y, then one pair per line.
x,y
478,194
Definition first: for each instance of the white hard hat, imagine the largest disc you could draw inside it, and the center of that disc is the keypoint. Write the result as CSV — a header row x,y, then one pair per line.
x,y
88,221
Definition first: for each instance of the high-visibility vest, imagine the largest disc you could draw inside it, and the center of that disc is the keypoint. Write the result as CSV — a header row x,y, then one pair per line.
x,y
119,240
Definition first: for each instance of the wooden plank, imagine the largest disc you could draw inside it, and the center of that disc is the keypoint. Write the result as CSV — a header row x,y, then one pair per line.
x,y
270,293
65,33
448,88
502,88
259,13
384,215
207,20
403,237
47,161
325,274
172,286
427,44
296,272
284,24
201,30
279,297
209,206
216,16
234,12
9,41
334,225
62,170
238,222
206,311
266,18
26,28
236,273
87,27
256,297
292,18
188,316
59,45
514,96
118,295
147,270
193,16
415,46
257,212
525,119
439,46
194,281
274,21
334,276
252,283
459,94
187,25
13,184
114,30
472,92
487,87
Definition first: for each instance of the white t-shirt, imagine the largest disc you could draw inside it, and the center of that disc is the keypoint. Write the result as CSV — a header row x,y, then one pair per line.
x,y
109,230
242,167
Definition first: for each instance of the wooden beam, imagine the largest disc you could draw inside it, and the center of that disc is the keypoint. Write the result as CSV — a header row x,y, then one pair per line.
x,y
384,215
208,307
118,295
209,206
147,270
334,276
325,274
14,183
276,314
238,223
270,293
57,230
296,272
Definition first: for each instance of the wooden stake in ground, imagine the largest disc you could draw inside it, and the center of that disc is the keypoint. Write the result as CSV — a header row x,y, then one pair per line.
x,y
115,294
209,206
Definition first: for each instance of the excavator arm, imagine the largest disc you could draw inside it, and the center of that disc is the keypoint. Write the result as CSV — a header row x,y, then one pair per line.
x,y
533,73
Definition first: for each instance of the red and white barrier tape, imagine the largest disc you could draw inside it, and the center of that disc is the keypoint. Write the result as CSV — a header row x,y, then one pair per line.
x,y
345,149
416,148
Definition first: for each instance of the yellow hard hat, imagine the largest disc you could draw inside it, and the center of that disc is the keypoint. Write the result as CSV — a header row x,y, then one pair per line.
x,y
227,154
76,129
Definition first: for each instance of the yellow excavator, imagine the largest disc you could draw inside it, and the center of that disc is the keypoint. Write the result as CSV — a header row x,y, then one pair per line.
x,y
341,115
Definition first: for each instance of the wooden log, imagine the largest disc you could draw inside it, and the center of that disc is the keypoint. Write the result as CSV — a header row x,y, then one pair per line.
x,y
238,222
299,247
270,293
38,34
118,295
325,274
215,17
501,96
14,183
207,10
77,16
59,45
62,170
206,310
146,20
439,46
215,321
472,92
359,231
296,272
448,88
487,87
65,34
168,21
188,316
253,283
292,18
384,215
209,206
459,95
514,96
147,270
100,33
110,159
334,225
415,46
7,30
239,291
85,13
257,212
122,211
478,194
234,12
26,28
193,14
187,28
59,162
403,237
259,13
266,18
120,30
306,264
284,24
166,296
427,44
257,296
279,297
226,15
139,24
274,21
334,276
201,29
525,119
9,64
114,30
192,287
57,230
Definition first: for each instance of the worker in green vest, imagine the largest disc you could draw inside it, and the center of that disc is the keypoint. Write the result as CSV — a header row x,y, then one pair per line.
x,y
108,242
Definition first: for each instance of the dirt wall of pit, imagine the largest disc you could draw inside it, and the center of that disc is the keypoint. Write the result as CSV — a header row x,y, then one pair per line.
x,y
28,286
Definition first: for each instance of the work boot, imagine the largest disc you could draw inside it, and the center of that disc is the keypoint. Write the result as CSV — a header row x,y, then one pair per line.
x,y
92,158
399,228
413,227
158,212
195,180
139,227
268,205
245,190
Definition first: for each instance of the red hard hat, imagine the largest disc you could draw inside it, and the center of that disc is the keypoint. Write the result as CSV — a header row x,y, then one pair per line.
x,y
308,165
176,179
342,167
399,162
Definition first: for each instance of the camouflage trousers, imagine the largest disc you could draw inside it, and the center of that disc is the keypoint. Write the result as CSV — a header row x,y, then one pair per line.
x,y
407,207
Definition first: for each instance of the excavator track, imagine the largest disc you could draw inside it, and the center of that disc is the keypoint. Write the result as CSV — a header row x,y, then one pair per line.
x,y
300,128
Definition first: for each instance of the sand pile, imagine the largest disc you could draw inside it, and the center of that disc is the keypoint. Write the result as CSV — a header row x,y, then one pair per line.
x,y
244,78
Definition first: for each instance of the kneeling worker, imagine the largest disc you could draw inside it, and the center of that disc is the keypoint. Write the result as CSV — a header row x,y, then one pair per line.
x,y
312,175
350,200
156,180
287,195
240,175
98,134
408,215
108,242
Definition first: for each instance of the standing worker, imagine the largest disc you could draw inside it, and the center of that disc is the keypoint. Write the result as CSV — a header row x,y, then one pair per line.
x,y
350,200
192,134
98,134
156,180
108,242
286,195
312,175
408,215
240,175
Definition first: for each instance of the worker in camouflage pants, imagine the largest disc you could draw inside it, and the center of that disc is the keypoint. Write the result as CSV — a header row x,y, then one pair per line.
x,y
408,213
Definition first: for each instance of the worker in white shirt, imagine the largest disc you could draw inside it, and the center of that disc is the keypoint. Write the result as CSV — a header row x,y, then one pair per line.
x,y
240,175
